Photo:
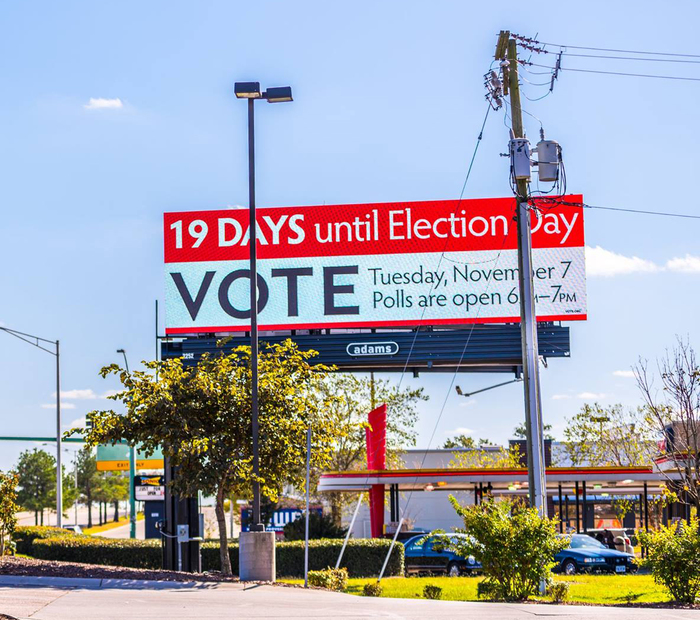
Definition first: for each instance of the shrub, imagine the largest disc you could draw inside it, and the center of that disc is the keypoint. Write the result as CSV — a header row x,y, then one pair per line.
x,y
373,588
25,535
515,545
673,556
558,591
432,592
320,526
362,558
8,511
335,579
96,550
487,589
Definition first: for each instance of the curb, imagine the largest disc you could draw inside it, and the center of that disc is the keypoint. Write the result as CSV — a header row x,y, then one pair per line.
x,y
90,583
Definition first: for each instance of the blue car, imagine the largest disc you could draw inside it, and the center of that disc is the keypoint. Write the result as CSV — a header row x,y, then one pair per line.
x,y
428,555
586,554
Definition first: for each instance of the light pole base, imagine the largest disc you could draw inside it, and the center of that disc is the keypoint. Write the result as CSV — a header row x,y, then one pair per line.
x,y
256,556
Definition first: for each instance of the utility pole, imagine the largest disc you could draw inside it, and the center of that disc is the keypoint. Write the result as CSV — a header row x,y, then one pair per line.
x,y
506,48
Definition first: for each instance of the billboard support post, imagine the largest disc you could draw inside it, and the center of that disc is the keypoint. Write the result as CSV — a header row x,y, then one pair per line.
x,y
528,320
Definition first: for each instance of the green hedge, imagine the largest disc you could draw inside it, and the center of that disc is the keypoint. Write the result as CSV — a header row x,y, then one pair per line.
x,y
97,550
362,558
25,535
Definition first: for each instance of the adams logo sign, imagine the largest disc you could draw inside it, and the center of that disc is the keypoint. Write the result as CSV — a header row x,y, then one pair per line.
x,y
358,349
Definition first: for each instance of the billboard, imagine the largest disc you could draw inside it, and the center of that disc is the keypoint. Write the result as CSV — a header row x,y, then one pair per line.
x,y
400,264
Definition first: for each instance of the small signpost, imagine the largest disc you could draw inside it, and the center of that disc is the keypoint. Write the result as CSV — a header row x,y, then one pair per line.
x,y
149,488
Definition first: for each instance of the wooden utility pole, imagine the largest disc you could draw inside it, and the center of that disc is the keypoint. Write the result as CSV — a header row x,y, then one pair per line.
x,y
506,48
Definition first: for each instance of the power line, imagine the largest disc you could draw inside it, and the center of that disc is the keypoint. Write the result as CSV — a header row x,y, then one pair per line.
x,y
690,62
605,49
556,201
644,75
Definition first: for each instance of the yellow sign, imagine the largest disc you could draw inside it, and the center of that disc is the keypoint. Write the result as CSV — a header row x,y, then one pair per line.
x,y
124,465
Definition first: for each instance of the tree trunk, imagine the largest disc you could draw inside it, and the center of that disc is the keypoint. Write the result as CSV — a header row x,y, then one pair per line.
x,y
42,516
116,511
223,538
36,517
89,507
336,502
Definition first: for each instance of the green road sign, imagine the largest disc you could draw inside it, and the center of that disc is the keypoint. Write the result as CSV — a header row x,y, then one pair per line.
x,y
116,458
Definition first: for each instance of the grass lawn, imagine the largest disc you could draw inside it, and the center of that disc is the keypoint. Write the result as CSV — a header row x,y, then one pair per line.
x,y
592,589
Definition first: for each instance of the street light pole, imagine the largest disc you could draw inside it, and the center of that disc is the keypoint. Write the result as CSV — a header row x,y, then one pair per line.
x,y
256,524
35,341
132,472
251,92
59,467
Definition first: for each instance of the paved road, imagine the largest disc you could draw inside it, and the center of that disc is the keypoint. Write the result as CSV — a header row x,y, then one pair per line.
x,y
124,531
218,601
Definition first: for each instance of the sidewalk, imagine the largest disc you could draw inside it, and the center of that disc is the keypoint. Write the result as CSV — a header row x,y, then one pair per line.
x,y
40,599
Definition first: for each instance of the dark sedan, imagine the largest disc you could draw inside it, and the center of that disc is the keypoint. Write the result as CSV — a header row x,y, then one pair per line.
x,y
428,555
586,554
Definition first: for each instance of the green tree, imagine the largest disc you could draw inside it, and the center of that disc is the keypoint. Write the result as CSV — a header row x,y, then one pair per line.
x,y
8,508
488,457
673,402
36,471
600,436
356,397
69,491
88,479
465,441
514,543
201,418
520,432
117,489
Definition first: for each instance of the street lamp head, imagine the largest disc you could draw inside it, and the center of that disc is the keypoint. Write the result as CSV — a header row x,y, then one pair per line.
x,y
279,94
121,351
247,90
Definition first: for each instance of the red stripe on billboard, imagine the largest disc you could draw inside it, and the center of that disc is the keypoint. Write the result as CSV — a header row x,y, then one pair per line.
x,y
367,229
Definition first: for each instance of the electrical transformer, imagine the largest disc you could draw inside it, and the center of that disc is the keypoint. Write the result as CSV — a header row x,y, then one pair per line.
x,y
520,158
548,160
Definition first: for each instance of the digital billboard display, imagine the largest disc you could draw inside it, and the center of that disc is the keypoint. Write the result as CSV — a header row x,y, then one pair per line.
x,y
401,264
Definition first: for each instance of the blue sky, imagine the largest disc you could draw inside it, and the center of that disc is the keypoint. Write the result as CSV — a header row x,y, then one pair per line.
x,y
388,104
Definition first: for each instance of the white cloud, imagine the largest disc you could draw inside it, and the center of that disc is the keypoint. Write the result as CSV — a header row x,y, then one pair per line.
x,y
560,396
108,393
606,264
77,394
687,264
462,430
627,374
589,395
99,103
63,405
79,422
468,402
